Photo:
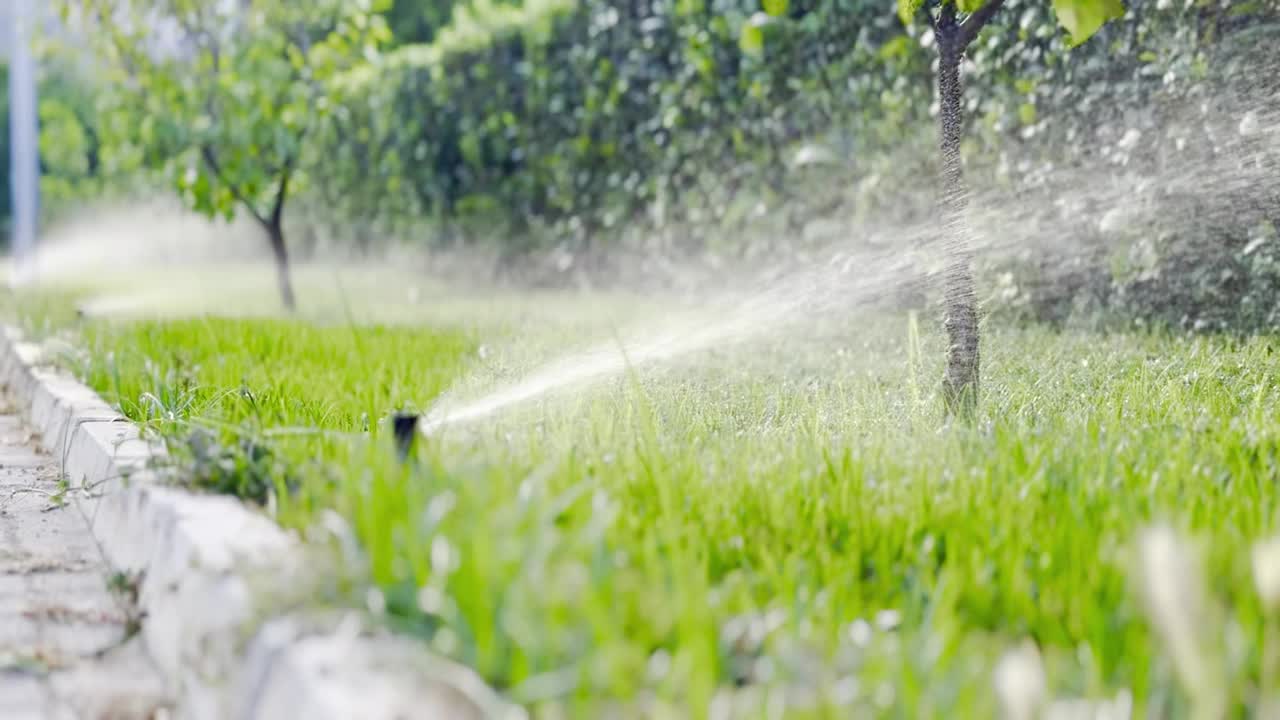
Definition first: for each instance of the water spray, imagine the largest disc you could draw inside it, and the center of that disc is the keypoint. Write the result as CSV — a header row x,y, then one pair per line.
x,y
891,260
839,286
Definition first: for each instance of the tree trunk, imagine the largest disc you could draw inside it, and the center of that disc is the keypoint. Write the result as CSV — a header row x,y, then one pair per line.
x,y
960,382
275,233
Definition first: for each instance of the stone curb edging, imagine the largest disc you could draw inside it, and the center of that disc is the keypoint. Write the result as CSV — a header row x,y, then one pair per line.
x,y
196,554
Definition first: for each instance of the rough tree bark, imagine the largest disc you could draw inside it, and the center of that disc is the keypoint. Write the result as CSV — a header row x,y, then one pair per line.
x,y
952,38
274,225
280,252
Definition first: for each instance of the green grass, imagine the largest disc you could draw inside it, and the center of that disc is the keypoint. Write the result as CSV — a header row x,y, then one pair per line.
x,y
787,526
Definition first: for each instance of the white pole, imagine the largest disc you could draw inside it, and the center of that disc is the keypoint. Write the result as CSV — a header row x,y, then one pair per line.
x,y
24,139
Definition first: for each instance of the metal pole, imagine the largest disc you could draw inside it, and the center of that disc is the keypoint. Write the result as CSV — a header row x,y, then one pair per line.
x,y
24,139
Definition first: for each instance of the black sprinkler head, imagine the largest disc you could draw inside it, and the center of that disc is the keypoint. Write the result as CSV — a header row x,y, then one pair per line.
x,y
405,428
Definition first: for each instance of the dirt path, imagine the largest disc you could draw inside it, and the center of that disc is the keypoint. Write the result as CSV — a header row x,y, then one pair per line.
x,y
65,646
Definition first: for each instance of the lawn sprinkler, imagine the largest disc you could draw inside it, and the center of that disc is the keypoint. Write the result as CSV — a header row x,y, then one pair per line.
x,y
432,420
405,428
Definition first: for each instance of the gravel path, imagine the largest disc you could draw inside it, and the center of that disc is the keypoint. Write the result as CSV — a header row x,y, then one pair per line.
x,y
66,649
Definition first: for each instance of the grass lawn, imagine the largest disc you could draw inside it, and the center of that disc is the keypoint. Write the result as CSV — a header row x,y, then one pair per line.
x,y
785,528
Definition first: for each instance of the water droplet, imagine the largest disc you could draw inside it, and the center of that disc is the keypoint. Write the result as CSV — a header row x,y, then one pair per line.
x,y
888,620
860,632
375,601
430,600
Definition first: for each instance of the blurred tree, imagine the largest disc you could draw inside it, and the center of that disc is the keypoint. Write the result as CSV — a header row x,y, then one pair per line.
x,y
222,98
417,21
70,159
952,37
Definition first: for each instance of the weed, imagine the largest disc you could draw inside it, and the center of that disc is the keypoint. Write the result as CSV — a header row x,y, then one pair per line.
x,y
244,467
126,587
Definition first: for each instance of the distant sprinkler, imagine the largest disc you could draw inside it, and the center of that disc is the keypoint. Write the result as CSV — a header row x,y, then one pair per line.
x,y
24,138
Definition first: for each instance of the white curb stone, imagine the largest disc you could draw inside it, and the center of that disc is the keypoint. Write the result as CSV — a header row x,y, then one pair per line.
x,y
197,554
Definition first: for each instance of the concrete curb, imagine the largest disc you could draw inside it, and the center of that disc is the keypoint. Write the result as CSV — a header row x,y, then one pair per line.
x,y
197,555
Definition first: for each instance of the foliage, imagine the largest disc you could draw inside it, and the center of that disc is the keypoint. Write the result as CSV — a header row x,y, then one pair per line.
x,y
691,125
1083,18
1182,238
227,112
71,168
226,116
244,467
587,118
725,128
1080,18
417,21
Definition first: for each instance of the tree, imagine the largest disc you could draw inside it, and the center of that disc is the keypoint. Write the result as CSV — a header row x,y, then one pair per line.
x,y
70,161
952,37
222,98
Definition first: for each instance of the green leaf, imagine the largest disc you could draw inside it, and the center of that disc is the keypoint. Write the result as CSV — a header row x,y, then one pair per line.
x,y
968,6
899,47
751,39
1244,8
1082,18
907,10
776,8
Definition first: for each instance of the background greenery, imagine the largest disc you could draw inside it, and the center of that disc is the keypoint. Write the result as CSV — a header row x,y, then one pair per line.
x,y
71,170
617,138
